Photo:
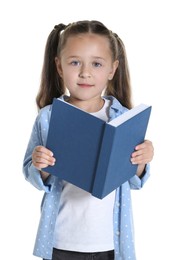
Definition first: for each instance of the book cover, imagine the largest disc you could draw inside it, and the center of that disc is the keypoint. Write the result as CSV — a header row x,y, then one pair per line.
x,y
90,153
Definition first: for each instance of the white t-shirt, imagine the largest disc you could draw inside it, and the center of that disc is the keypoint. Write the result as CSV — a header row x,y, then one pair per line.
x,y
84,222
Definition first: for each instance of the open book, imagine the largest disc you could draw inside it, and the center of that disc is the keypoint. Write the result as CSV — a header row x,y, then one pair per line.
x,y
93,154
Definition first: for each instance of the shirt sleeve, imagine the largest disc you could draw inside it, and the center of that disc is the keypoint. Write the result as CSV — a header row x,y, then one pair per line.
x,y
38,137
137,182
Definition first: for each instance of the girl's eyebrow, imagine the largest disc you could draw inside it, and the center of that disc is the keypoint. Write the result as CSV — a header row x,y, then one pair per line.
x,y
77,57
98,58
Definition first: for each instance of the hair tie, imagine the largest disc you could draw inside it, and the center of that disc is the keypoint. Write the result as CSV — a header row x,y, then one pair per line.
x,y
114,34
60,27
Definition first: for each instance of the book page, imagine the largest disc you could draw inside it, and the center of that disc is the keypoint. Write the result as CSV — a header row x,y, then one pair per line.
x,y
127,115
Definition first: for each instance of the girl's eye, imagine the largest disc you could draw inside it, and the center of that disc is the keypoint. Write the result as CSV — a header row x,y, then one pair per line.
x,y
97,64
75,63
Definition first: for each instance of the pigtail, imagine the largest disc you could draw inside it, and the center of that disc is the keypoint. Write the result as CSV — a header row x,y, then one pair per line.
x,y
120,86
51,84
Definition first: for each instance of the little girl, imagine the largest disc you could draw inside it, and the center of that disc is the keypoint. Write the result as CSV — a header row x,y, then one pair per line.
x,y
88,61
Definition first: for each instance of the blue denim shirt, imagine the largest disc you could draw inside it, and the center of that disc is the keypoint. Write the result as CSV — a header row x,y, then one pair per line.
x,y
122,221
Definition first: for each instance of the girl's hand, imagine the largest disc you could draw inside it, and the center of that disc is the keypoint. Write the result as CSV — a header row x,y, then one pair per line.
x,y
42,157
142,155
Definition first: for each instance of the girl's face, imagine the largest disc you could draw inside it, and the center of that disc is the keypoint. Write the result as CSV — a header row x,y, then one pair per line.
x,y
85,66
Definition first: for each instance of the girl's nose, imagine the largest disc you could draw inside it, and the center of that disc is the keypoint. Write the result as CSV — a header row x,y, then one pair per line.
x,y
84,72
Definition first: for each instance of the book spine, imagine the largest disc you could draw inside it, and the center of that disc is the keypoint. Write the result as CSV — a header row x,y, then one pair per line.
x,y
103,162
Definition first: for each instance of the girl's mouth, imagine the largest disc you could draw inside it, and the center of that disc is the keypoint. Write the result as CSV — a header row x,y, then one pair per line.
x,y
85,85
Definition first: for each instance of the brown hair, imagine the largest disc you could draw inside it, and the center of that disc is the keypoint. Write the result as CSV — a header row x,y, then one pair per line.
x,y
51,84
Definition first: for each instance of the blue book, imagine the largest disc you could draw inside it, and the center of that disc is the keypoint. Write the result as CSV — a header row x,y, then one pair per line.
x,y
93,154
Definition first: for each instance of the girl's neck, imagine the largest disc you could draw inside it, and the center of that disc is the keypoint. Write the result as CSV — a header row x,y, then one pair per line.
x,y
89,106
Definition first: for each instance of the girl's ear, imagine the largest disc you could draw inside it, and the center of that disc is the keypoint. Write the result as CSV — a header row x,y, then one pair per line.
x,y
58,66
114,68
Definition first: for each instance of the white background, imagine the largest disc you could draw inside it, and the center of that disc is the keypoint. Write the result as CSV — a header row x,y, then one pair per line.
x,y
148,31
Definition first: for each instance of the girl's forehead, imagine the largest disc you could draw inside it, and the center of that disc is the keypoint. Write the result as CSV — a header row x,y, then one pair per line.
x,y
87,36
87,40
